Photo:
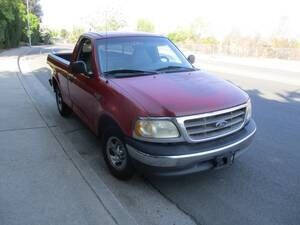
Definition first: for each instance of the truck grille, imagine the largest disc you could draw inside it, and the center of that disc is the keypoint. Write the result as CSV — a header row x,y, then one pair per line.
x,y
213,125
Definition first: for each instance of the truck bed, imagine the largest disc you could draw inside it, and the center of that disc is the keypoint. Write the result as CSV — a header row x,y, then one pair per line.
x,y
59,60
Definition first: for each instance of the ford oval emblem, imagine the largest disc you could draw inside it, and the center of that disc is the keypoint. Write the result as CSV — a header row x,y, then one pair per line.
x,y
221,123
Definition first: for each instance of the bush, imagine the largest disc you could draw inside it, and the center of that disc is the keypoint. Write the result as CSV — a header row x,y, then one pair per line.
x,y
208,41
145,25
75,34
182,36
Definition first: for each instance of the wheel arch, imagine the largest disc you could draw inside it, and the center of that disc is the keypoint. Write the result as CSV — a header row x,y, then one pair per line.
x,y
55,83
106,121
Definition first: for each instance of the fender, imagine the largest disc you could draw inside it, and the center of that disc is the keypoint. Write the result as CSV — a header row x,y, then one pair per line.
x,y
105,119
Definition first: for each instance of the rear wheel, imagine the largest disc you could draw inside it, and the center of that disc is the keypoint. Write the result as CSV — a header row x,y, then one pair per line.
x,y
62,107
116,155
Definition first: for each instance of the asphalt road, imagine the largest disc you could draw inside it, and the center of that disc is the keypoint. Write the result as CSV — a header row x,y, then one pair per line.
x,y
262,187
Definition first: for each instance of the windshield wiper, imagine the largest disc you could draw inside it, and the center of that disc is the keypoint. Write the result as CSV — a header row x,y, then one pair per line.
x,y
175,68
131,72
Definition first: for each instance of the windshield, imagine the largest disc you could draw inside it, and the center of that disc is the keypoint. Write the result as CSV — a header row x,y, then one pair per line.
x,y
129,56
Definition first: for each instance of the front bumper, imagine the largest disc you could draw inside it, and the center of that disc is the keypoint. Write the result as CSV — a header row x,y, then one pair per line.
x,y
185,158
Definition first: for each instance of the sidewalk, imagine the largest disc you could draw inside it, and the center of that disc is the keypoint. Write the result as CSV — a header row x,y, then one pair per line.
x,y
40,182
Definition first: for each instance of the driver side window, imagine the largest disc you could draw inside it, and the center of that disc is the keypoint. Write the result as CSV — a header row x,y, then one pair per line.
x,y
85,54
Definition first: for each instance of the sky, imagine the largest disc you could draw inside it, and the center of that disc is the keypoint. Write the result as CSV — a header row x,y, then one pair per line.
x,y
249,17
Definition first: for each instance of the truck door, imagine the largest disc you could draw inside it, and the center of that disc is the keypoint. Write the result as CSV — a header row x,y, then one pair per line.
x,y
82,87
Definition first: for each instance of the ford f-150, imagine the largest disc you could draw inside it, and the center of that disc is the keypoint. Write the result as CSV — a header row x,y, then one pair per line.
x,y
154,111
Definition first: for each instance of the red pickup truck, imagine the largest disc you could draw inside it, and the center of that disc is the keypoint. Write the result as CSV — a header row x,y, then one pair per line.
x,y
154,111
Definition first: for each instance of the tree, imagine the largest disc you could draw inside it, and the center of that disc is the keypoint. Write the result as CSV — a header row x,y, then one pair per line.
x,y
106,20
64,34
12,14
192,33
13,24
114,23
34,7
46,35
181,35
75,34
34,24
111,23
145,25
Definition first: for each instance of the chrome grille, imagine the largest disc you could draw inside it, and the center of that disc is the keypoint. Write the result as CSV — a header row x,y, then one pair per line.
x,y
210,126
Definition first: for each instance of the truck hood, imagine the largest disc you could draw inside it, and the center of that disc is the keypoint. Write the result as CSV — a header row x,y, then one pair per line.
x,y
182,93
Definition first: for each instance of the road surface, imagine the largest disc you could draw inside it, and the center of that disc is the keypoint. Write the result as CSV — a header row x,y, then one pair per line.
x,y
262,187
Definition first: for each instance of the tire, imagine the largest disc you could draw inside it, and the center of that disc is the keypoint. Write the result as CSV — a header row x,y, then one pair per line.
x,y
62,107
116,155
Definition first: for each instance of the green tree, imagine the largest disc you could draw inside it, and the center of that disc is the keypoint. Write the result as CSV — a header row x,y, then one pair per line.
x,y
75,34
12,14
34,24
113,23
145,25
13,24
34,7
181,35
46,35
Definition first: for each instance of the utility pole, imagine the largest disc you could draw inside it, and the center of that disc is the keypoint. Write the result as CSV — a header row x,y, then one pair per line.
x,y
28,25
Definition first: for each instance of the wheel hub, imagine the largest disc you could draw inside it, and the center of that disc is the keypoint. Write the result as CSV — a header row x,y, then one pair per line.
x,y
116,153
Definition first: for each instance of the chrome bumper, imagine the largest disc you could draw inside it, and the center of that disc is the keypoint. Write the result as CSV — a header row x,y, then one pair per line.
x,y
237,147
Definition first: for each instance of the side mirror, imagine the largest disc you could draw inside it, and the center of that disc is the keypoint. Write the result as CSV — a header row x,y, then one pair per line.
x,y
79,67
191,59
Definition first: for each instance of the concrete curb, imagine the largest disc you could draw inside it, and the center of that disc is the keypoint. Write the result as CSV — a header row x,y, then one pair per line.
x,y
103,194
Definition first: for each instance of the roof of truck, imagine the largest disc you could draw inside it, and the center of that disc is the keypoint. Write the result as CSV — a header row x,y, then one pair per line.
x,y
99,35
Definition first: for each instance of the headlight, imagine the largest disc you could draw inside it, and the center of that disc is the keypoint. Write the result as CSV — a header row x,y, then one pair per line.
x,y
149,128
248,111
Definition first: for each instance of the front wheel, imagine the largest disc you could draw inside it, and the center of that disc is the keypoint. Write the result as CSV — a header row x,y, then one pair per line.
x,y
116,155
62,107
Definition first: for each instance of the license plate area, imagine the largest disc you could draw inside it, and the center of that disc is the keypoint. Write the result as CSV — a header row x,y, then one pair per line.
x,y
224,160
